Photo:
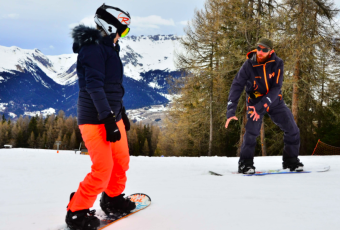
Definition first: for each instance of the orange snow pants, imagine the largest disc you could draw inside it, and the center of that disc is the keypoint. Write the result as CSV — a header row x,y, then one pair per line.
x,y
110,161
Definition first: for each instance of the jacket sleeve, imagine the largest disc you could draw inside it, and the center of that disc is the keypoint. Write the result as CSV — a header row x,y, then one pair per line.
x,y
236,89
273,93
93,61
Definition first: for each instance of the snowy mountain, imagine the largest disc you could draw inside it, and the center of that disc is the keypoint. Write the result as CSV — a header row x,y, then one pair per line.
x,y
31,82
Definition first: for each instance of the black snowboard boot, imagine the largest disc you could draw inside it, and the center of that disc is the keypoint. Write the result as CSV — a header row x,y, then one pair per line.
x,y
72,194
82,220
293,164
246,166
116,205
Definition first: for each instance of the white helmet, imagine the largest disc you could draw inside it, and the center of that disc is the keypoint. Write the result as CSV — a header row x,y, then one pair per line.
x,y
108,17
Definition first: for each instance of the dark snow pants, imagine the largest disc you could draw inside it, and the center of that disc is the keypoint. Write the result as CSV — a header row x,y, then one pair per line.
x,y
282,117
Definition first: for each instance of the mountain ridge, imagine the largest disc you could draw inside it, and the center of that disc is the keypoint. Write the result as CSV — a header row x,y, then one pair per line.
x,y
31,81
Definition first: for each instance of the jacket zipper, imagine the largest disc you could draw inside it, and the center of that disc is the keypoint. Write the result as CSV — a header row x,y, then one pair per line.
x,y
278,75
264,72
265,77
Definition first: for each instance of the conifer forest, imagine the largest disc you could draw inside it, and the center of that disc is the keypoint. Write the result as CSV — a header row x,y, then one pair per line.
x,y
306,37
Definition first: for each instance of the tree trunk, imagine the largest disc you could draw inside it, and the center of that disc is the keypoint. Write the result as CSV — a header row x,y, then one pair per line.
x,y
259,12
322,92
270,10
211,99
296,77
211,120
263,141
295,100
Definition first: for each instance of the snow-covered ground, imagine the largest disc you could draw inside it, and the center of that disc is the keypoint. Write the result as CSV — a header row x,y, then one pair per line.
x,y
35,187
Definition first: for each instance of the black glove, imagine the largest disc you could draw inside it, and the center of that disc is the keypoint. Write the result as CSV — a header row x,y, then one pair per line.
x,y
112,131
125,120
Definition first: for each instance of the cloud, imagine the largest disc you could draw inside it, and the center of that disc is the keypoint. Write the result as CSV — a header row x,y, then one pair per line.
x,y
152,21
51,47
10,16
88,21
183,23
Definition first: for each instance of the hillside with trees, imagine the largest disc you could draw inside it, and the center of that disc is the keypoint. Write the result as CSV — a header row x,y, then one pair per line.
x,y
305,35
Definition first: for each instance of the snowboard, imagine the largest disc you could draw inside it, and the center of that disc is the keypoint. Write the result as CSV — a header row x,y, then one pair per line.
x,y
276,171
142,201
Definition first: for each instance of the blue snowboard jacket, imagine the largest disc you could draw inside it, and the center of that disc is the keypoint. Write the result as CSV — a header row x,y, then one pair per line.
x,y
100,73
263,84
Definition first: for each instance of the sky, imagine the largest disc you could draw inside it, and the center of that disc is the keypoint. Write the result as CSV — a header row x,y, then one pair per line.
x,y
46,24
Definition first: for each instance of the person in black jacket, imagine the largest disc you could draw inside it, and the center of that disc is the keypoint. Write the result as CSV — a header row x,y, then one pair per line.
x,y
262,75
101,118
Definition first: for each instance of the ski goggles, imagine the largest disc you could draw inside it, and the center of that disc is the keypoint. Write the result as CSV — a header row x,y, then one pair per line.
x,y
126,31
264,50
123,31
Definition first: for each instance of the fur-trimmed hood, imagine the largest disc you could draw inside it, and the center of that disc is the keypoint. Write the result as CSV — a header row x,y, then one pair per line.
x,y
84,35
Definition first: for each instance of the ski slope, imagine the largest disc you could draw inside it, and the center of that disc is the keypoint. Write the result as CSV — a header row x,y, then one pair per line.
x,y
35,186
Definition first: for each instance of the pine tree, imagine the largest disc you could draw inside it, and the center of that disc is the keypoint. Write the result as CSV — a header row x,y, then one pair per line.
x,y
43,141
158,151
65,142
38,142
146,150
216,44
200,61
32,126
40,124
73,141
133,141
1,135
50,137
306,30
31,140
20,142
155,132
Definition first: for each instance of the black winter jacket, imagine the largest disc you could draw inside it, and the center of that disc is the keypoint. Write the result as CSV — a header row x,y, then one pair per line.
x,y
100,73
263,84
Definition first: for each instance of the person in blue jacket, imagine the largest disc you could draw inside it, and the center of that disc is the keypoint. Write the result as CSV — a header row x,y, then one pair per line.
x,y
101,118
262,75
